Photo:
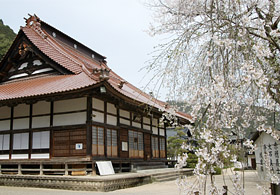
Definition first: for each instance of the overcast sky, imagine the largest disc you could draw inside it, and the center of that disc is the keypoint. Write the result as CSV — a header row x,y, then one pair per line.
x,y
114,28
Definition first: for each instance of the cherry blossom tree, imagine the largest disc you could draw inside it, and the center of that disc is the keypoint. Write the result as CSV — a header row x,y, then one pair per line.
x,y
221,57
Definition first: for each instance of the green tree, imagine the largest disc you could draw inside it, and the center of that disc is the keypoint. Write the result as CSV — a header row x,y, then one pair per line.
x,y
174,144
7,36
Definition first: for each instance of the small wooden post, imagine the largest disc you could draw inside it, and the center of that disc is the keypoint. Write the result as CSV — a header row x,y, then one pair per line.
x,y
66,169
93,173
41,169
0,169
196,193
19,169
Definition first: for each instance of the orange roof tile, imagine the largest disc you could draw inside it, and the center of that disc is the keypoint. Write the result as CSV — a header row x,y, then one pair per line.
x,y
44,86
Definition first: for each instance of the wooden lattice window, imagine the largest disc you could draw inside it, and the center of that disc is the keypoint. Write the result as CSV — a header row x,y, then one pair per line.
x,y
155,147
136,145
162,147
112,143
97,141
4,142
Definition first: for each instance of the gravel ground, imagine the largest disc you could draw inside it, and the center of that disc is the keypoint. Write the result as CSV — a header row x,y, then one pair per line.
x,y
161,188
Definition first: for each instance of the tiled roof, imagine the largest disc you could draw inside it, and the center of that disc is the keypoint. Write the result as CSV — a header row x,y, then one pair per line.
x,y
44,85
81,66
53,50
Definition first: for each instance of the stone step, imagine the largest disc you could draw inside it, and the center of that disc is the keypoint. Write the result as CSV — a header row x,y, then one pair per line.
x,y
169,178
151,167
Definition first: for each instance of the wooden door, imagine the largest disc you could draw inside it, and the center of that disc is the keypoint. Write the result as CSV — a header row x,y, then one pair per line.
x,y
65,143
147,146
124,143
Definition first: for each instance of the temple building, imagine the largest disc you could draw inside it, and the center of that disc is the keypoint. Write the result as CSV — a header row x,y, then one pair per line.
x,y
62,107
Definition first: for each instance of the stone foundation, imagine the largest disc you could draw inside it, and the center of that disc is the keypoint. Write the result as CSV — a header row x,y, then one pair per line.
x,y
73,183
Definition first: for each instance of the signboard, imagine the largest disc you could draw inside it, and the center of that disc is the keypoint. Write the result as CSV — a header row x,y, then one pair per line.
x,y
124,146
105,167
79,146
267,155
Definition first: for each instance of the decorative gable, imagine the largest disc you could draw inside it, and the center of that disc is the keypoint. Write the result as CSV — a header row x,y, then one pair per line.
x,y
25,60
29,65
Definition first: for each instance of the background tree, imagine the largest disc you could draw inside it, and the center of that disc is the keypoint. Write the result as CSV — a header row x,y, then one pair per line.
x,y
7,36
222,57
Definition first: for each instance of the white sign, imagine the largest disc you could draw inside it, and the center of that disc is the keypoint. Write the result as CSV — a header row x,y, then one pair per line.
x,y
267,155
105,167
79,146
124,146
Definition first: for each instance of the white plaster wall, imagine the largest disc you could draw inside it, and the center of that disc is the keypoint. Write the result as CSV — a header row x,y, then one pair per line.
x,y
98,104
135,124
155,130
147,127
146,120
98,116
161,132
19,156
111,108
21,123
70,105
124,113
112,120
40,156
4,157
21,110
42,121
124,121
5,112
41,107
5,125
155,121
69,119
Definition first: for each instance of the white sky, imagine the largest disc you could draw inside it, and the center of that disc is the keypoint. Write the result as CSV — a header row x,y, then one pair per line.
x,y
113,28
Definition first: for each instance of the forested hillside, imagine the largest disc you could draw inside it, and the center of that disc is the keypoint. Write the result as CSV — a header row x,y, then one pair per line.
x,y
7,36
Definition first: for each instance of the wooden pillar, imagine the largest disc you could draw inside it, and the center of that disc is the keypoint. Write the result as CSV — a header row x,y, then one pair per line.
x,y
165,135
11,134
105,129
118,133
89,126
30,131
51,130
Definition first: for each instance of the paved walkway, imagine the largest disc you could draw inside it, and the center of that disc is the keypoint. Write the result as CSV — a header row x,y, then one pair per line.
x,y
162,188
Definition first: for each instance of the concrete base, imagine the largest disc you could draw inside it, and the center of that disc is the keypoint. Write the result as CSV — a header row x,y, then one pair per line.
x,y
84,183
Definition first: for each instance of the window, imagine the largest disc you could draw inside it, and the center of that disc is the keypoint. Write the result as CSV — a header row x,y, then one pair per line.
x,y
155,147
136,145
41,140
4,142
112,143
162,147
97,141
21,141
